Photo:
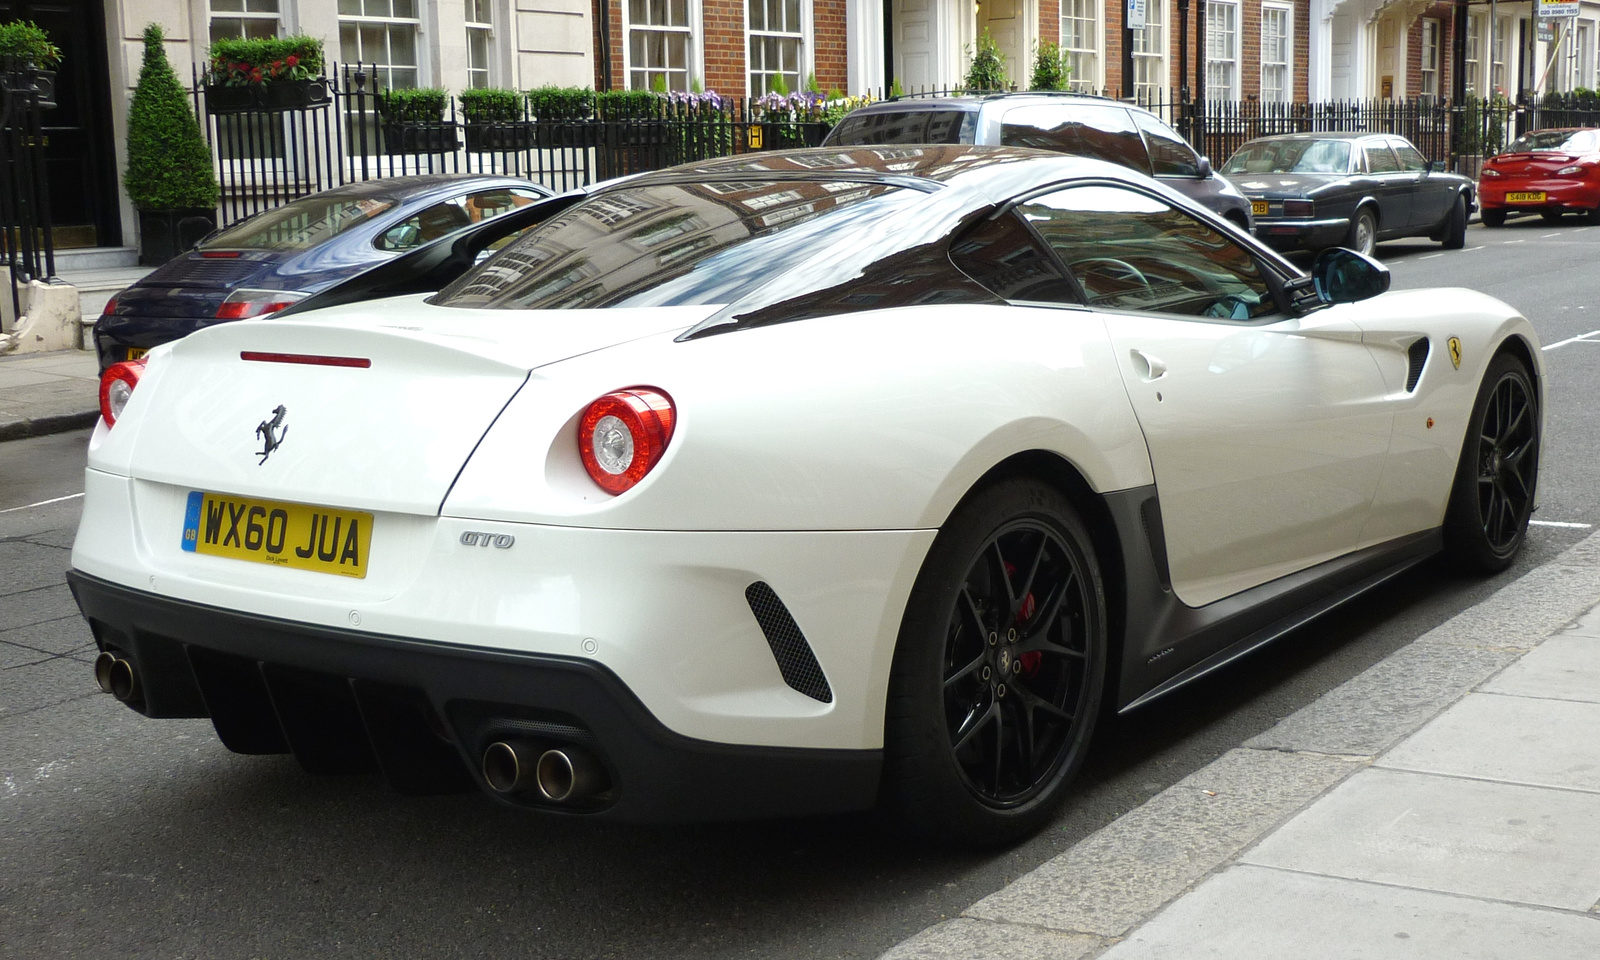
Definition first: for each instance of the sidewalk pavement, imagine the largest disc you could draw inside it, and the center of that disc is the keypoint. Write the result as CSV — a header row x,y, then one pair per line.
x,y
43,393
1443,805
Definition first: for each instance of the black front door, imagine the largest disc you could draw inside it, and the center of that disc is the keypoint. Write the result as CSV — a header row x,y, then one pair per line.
x,y
79,152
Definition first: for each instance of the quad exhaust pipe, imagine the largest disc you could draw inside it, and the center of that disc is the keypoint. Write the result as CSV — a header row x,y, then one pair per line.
x,y
558,774
115,676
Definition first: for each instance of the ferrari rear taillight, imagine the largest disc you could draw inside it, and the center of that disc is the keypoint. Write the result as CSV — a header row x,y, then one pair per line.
x,y
622,435
243,304
116,386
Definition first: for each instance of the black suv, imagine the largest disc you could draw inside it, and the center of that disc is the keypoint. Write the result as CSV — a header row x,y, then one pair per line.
x,y
1078,124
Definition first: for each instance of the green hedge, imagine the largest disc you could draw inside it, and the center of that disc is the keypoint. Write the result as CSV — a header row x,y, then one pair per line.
x,y
561,103
236,61
491,105
26,42
169,163
423,104
627,105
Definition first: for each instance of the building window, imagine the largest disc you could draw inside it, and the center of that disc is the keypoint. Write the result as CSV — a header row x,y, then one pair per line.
x,y
1222,50
1430,58
1583,55
1502,43
253,19
1080,41
659,41
480,42
1150,55
1474,57
382,34
777,45
1277,53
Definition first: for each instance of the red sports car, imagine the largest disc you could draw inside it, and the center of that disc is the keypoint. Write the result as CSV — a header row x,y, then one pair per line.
x,y
1550,172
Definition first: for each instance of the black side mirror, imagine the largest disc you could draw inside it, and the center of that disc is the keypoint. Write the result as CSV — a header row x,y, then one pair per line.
x,y
1204,168
1345,276
1436,166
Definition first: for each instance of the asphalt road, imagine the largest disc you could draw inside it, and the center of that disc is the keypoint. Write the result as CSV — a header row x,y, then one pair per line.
x,y
121,836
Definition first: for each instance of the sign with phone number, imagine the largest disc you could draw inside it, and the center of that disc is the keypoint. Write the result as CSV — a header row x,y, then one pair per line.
x,y
1557,8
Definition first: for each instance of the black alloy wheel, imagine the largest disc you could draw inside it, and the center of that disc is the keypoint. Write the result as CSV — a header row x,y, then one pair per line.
x,y
998,674
1499,470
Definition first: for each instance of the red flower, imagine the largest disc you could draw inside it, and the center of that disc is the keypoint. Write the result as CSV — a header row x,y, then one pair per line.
x,y
293,60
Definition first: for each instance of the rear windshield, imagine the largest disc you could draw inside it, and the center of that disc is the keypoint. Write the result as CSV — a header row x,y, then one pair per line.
x,y
299,225
907,126
1565,141
681,243
1291,156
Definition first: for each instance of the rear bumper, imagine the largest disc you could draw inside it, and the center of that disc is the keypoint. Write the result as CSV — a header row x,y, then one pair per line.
x,y
1559,195
1302,234
422,712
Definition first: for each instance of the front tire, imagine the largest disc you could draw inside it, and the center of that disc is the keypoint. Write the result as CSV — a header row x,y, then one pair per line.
x,y
1498,473
1363,235
999,669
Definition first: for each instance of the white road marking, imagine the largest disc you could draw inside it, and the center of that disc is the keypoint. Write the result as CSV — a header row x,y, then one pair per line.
x,y
1559,523
1504,242
1580,338
1547,236
41,503
1430,256
1470,249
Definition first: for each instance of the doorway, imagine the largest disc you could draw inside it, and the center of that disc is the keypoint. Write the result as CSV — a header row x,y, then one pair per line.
x,y
1007,22
79,152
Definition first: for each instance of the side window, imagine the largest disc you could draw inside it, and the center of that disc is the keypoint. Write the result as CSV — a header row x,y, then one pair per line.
x,y
911,126
1410,160
1380,159
1004,257
1170,154
443,219
1081,129
1130,251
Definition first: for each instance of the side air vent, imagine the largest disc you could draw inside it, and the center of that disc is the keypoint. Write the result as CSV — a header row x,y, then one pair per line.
x,y
796,662
1416,357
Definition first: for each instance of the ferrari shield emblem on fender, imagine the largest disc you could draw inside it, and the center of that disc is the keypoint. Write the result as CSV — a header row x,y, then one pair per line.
x,y
1455,351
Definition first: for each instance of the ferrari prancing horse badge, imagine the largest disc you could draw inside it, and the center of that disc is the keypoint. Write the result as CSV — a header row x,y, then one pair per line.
x,y
1455,351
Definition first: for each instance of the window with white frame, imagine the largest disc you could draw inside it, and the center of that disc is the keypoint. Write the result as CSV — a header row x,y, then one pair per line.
x,y
253,19
382,34
1277,53
1583,55
480,42
1476,27
1568,73
777,44
1222,50
660,44
1080,41
1150,55
1430,58
1501,48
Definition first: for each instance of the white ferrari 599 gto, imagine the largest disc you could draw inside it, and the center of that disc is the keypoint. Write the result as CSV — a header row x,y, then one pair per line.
x,y
788,483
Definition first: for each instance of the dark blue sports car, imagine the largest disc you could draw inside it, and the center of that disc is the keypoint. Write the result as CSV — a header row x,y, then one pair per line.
x,y
282,256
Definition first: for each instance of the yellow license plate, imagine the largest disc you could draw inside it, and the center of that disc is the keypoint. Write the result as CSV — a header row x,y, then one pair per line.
x,y
1258,208
1527,196
136,353
295,535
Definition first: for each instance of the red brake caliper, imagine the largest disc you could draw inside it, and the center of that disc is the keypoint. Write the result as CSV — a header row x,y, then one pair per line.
x,y
1031,659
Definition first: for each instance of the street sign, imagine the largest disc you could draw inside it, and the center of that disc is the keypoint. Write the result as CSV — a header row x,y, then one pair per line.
x,y
1552,8
1136,11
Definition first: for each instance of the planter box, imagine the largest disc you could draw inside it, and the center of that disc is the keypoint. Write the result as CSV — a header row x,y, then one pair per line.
x,y
560,134
163,234
276,97
401,139
499,137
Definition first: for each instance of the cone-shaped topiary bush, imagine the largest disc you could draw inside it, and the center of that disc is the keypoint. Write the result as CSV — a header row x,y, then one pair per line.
x,y
169,163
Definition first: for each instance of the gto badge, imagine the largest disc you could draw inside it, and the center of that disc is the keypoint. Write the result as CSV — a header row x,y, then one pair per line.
x,y
473,538
272,432
1455,351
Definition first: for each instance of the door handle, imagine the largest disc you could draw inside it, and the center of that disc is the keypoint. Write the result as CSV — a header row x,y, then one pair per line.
x,y
1148,367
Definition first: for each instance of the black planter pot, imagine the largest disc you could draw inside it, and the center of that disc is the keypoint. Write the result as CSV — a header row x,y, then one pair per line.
x,y
501,137
163,234
222,100
400,139
294,95
555,134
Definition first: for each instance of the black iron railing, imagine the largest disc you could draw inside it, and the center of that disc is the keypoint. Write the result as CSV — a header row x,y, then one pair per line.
x,y
26,244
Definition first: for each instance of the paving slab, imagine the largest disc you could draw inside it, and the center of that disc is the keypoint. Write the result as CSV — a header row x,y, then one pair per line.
x,y
1115,878
1565,667
1529,740
1253,913
65,635
966,939
1499,841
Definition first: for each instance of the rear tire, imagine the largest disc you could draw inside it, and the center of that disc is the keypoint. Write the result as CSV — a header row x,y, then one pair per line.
x,y
1493,218
1592,217
1363,235
998,671
1498,473
1455,232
